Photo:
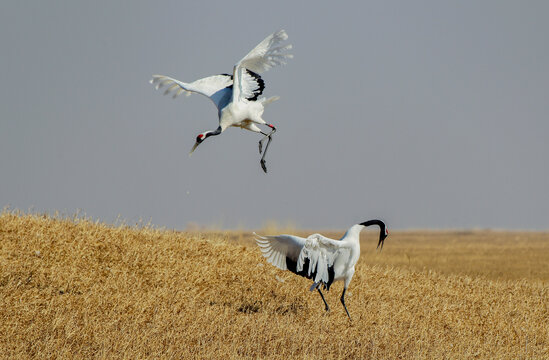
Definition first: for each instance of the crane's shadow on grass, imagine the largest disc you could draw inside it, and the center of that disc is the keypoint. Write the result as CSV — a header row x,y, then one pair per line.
x,y
252,306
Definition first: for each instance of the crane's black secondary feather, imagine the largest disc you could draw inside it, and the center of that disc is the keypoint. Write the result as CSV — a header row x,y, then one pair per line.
x,y
260,84
292,266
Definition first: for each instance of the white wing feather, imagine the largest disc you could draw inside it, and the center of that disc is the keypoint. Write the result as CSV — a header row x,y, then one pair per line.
x,y
277,248
250,87
216,87
263,57
321,253
266,55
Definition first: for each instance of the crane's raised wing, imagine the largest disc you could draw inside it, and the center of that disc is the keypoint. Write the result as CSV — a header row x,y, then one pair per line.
x,y
312,257
251,85
278,248
266,54
218,88
263,57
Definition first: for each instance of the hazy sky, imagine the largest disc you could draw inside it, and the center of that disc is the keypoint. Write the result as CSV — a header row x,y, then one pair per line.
x,y
426,114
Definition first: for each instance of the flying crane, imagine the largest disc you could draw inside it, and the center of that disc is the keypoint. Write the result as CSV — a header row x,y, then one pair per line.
x,y
236,96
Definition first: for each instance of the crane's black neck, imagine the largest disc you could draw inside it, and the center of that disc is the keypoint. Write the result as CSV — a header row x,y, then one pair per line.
x,y
380,223
382,229
213,133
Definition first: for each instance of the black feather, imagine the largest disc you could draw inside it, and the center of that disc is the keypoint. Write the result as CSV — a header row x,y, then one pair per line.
x,y
292,266
258,80
260,85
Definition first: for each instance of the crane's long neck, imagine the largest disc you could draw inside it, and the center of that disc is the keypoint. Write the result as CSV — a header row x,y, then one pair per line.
x,y
382,229
380,223
352,238
354,231
353,234
215,132
203,136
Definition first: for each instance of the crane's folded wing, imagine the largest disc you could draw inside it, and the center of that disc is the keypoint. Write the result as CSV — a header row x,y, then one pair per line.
x,y
321,253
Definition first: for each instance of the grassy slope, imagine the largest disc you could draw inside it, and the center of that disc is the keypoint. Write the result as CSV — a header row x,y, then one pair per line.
x,y
78,288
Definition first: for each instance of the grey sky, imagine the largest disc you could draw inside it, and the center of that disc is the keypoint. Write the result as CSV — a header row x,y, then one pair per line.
x,y
426,114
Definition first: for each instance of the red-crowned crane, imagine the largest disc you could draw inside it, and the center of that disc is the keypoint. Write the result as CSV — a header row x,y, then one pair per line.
x,y
319,258
236,96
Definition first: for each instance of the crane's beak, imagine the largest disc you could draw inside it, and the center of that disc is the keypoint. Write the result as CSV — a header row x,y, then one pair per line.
x,y
194,148
380,243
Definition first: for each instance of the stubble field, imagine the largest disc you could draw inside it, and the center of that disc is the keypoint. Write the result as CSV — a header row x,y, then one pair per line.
x,y
75,288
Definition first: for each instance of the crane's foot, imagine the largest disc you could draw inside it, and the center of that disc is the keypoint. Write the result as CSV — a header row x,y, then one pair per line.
x,y
263,166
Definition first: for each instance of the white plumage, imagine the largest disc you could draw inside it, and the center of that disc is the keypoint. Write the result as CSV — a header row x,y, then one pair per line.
x,y
317,257
236,96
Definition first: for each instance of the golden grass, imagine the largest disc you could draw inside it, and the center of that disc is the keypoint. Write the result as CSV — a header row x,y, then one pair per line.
x,y
74,288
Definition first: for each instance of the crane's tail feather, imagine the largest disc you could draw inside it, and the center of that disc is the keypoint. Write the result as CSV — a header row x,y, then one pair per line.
x,y
267,101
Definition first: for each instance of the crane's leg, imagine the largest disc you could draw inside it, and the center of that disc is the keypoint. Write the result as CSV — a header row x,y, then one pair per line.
x,y
273,130
262,161
322,296
343,302
269,135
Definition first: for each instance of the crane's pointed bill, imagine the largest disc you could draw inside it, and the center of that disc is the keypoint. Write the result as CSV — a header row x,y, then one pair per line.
x,y
194,148
380,242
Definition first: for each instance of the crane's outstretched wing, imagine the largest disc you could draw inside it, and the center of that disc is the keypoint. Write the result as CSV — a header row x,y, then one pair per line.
x,y
263,57
312,257
266,54
277,248
218,88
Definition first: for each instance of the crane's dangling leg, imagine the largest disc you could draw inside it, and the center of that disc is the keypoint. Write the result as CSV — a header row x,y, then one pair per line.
x,y
269,135
343,302
273,130
322,296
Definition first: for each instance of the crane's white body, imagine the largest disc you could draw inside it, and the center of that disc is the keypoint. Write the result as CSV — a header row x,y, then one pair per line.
x,y
236,96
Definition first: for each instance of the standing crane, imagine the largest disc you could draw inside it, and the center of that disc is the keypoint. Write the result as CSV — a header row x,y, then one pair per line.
x,y
236,96
319,258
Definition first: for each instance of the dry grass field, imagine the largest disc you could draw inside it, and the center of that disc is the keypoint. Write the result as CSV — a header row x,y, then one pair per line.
x,y
75,288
